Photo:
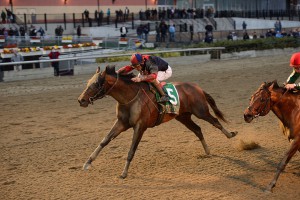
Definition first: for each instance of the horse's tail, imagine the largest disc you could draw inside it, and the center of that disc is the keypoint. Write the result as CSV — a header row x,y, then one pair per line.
x,y
213,105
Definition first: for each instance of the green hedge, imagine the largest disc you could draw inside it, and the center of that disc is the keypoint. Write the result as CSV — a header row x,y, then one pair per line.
x,y
257,44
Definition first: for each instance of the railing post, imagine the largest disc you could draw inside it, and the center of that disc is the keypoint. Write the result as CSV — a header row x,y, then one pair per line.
x,y
25,22
65,21
45,19
107,20
132,21
82,19
74,22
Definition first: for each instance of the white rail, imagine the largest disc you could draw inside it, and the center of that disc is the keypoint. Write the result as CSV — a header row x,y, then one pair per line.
x,y
219,49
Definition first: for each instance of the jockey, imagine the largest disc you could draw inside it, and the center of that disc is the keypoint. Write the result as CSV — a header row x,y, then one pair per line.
x,y
295,63
151,69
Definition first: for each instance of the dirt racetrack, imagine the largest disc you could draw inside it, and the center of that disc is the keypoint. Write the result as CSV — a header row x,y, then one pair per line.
x,y
46,137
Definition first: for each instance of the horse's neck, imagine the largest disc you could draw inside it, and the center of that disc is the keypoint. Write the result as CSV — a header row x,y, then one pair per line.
x,y
282,105
125,93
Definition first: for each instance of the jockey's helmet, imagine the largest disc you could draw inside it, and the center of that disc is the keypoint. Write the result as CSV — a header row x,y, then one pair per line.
x,y
136,59
295,60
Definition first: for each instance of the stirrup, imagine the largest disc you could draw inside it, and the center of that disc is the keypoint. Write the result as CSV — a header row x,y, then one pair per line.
x,y
163,99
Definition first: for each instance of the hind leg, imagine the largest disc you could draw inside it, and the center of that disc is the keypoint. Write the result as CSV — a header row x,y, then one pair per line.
x,y
215,122
188,122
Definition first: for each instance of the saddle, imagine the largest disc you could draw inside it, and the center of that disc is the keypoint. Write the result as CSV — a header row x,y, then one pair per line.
x,y
170,107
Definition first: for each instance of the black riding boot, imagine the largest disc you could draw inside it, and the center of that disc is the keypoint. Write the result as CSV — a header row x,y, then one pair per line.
x,y
164,97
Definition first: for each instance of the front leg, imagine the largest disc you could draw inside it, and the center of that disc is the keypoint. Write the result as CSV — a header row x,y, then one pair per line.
x,y
117,128
137,136
287,157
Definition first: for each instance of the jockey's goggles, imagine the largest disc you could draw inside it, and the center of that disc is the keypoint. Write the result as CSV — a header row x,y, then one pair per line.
x,y
297,68
135,65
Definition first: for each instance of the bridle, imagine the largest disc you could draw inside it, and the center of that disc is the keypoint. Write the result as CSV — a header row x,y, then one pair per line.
x,y
263,106
101,91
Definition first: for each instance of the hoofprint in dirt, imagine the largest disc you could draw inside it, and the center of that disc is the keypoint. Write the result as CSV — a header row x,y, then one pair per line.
x,y
46,137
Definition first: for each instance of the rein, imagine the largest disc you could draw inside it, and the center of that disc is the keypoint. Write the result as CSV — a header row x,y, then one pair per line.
x,y
133,99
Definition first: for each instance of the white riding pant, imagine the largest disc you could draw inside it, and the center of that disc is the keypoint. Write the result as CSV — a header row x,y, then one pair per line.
x,y
162,75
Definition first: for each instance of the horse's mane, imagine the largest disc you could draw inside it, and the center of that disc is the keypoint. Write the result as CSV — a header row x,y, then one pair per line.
x,y
279,88
111,70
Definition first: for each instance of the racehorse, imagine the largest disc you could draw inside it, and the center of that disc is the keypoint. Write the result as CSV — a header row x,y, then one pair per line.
x,y
137,108
286,106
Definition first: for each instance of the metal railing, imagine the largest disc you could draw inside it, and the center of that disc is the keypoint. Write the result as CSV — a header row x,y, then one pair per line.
x,y
186,51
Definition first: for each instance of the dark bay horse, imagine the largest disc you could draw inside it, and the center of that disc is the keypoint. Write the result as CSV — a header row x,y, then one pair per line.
x,y
137,108
286,106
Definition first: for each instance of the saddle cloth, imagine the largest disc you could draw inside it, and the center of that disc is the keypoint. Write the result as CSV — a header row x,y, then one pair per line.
x,y
173,105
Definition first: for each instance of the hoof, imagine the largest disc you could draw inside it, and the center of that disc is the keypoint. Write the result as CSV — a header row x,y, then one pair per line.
x,y
233,134
86,166
123,176
268,191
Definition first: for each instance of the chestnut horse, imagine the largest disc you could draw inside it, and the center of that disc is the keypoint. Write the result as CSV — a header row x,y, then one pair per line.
x,y
286,106
137,108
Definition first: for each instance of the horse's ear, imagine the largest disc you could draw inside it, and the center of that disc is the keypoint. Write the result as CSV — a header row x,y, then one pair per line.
x,y
98,69
274,84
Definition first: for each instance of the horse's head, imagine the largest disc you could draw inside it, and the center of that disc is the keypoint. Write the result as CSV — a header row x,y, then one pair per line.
x,y
94,89
260,102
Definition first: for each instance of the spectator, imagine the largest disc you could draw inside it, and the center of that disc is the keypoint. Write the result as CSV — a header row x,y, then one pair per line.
x,y
16,57
123,31
32,31
41,31
96,15
139,31
244,25
59,31
254,35
234,36
10,16
269,33
229,36
172,33
108,12
246,36
157,29
86,14
78,31
3,17
192,32
278,34
208,37
163,31
11,32
208,28
277,26
54,54
16,32
126,13
146,32
22,31
100,17
284,33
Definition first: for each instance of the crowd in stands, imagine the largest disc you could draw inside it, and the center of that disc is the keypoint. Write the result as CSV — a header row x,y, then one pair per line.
x,y
32,31
171,13
164,32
